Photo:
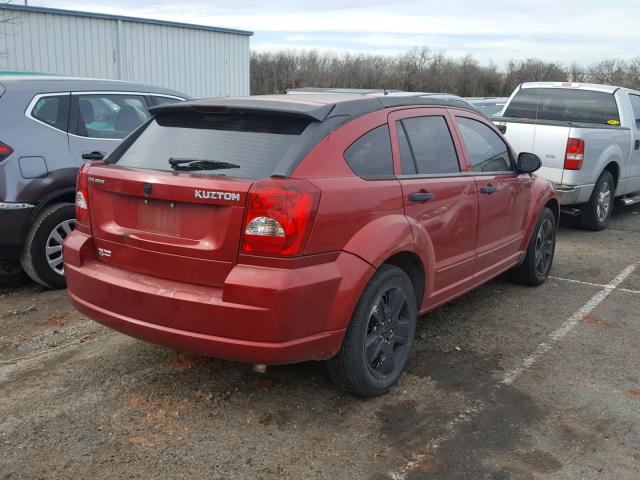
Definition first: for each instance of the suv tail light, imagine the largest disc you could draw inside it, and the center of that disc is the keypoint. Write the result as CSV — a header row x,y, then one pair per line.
x,y
5,151
279,217
82,199
575,154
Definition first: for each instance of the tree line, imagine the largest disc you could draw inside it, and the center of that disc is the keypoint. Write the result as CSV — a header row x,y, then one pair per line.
x,y
423,70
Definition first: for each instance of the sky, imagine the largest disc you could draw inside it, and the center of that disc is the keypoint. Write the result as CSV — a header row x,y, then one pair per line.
x,y
566,31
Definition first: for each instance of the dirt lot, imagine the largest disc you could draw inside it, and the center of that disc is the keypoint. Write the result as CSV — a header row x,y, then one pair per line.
x,y
508,382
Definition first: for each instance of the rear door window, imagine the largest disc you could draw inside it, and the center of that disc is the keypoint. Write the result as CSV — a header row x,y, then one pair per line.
x,y
430,142
487,152
109,115
370,155
53,111
564,105
254,144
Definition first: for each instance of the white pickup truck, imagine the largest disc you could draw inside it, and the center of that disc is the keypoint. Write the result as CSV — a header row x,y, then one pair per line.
x,y
588,138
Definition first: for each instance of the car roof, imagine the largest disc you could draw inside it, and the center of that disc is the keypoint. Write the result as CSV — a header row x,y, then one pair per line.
x,y
316,106
52,83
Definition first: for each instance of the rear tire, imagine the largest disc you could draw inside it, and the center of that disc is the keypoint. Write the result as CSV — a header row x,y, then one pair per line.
x,y
535,268
12,274
597,211
378,340
42,254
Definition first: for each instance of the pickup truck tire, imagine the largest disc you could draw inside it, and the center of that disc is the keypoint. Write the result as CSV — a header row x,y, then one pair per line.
x,y
42,254
536,266
378,340
597,211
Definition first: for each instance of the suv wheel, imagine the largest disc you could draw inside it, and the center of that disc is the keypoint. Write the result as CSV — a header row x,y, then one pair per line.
x,y
42,255
378,340
11,274
536,266
596,213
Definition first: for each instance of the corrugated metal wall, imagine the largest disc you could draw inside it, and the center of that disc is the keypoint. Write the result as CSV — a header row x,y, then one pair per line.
x,y
201,63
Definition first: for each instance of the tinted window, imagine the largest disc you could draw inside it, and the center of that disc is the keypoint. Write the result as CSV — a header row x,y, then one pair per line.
x,y
165,100
110,115
431,144
565,105
635,104
487,151
406,157
255,143
53,111
370,155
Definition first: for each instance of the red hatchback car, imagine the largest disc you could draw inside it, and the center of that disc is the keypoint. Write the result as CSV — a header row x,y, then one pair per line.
x,y
280,229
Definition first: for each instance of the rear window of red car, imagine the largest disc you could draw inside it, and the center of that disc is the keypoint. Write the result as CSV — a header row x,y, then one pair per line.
x,y
255,143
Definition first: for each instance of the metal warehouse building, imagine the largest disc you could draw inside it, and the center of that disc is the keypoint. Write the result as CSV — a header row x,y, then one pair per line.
x,y
198,60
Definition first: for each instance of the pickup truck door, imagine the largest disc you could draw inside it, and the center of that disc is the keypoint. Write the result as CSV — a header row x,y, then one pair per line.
x,y
503,196
634,164
439,197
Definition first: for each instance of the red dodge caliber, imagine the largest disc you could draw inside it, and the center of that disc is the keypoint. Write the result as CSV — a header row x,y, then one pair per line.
x,y
280,229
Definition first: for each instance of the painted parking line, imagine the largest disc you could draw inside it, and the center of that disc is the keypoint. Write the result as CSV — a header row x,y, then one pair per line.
x,y
598,285
512,375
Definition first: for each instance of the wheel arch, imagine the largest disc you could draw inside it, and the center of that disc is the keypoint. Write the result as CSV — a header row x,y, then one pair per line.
x,y
412,265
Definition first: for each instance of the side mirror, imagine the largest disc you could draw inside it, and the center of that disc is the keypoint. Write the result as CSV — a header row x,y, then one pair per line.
x,y
528,162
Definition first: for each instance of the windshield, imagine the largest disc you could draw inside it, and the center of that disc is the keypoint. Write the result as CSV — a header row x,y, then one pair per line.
x,y
565,105
250,146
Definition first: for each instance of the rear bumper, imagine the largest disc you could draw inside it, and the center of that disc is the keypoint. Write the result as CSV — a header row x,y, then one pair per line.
x,y
574,194
261,315
14,218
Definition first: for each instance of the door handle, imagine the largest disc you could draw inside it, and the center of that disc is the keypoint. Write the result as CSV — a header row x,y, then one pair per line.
x,y
93,156
420,197
488,189
636,145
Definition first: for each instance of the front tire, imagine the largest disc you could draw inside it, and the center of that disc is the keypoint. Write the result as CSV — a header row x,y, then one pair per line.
x,y
378,340
42,255
536,266
597,211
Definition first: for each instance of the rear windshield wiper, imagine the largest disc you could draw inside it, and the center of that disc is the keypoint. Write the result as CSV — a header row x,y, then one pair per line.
x,y
190,164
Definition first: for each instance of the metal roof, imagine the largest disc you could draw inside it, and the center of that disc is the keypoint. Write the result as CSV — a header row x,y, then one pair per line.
x,y
314,106
105,16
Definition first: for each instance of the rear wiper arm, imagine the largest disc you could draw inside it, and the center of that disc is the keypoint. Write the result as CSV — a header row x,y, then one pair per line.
x,y
190,164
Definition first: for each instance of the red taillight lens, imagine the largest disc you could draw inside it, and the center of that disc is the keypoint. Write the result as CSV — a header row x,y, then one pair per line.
x,y
575,154
280,214
82,197
5,151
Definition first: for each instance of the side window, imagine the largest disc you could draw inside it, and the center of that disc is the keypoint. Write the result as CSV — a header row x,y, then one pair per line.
x,y
110,115
54,111
635,104
406,157
431,144
487,151
164,100
370,155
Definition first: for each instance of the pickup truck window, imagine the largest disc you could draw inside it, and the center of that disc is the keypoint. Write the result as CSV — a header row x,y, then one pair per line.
x,y
635,104
564,105
487,152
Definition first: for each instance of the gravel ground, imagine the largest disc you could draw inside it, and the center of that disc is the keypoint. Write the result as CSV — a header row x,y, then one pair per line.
x,y
508,382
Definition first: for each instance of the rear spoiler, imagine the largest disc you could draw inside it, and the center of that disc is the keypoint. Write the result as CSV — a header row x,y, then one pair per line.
x,y
254,106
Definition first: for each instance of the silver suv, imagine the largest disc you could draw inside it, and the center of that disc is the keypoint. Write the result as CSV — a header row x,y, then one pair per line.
x,y
49,127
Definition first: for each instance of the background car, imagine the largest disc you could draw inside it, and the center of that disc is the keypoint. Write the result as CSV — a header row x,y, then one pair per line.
x,y
490,106
49,127
280,229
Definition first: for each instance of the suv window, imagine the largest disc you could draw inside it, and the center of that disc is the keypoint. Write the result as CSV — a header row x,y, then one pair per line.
x,y
430,142
110,115
635,104
564,105
53,110
256,143
370,155
487,151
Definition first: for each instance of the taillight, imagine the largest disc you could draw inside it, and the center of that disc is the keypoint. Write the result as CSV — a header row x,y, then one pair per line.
x,y
279,218
82,197
5,151
575,154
